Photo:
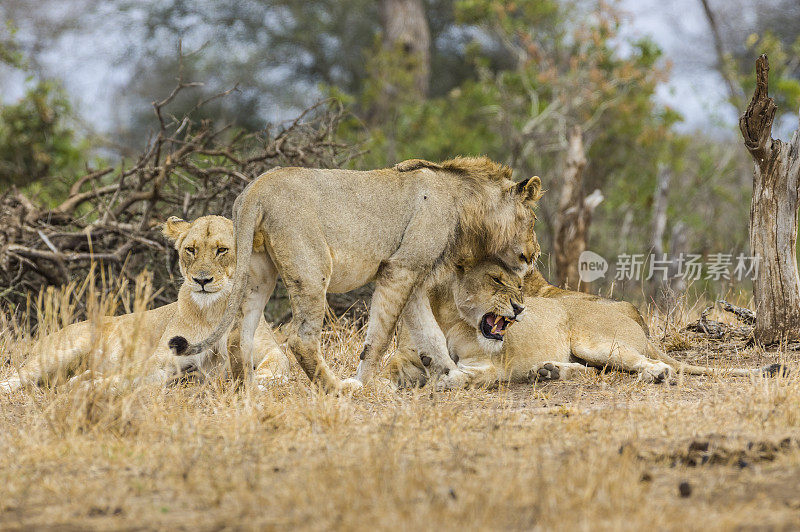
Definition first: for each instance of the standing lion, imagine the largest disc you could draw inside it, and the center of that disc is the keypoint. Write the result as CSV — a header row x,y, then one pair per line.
x,y
404,227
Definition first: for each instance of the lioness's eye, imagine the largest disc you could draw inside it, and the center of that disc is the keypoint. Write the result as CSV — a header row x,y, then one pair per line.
x,y
190,250
220,251
497,280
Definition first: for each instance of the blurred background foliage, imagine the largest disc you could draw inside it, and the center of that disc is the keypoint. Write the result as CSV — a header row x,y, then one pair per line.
x,y
39,149
503,78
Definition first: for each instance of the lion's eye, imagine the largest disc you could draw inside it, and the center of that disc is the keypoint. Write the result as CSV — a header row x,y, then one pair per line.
x,y
190,250
523,258
221,251
497,280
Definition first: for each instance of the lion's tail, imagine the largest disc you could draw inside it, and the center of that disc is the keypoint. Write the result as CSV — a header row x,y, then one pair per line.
x,y
769,371
245,221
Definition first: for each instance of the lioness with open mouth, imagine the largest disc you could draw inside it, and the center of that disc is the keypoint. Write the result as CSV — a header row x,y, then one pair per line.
x,y
560,334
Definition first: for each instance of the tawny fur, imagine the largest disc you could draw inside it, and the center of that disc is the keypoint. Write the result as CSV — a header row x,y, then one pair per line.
x,y
405,228
562,334
140,339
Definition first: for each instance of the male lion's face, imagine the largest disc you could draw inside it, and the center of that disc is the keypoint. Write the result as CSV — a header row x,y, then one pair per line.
x,y
205,254
521,256
523,250
489,297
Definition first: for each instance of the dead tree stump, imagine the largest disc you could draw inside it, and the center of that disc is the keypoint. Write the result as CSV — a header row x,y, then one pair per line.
x,y
574,214
773,217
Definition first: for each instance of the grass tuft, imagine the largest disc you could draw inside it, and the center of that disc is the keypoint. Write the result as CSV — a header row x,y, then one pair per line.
x,y
603,452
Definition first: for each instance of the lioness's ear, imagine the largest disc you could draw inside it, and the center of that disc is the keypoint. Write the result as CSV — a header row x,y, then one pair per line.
x,y
174,228
530,190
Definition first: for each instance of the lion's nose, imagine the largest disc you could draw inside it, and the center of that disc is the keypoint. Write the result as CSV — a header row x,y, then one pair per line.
x,y
202,281
517,308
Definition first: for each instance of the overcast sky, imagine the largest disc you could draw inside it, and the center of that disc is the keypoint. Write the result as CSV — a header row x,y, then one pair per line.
x,y
680,28
86,65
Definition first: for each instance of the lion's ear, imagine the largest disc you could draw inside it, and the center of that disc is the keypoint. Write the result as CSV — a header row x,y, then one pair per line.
x,y
174,228
463,264
258,241
529,191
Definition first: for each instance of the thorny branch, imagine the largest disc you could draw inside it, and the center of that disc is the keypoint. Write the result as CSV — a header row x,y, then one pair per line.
x,y
111,215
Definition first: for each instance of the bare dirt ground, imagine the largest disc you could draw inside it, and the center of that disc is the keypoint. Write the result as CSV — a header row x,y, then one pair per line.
x,y
604,452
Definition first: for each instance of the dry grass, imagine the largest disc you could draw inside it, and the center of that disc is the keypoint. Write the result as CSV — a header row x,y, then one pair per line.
x,y
605,452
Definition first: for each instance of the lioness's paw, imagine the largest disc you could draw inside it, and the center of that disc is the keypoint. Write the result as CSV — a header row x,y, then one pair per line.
x,y
382,383
264,383
547,372
657,372
10,385
454,380
349,386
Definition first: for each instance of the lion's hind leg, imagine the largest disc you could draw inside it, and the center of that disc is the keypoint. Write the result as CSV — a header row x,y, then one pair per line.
x,y
405,368
308,313
620,356
54,360
260,288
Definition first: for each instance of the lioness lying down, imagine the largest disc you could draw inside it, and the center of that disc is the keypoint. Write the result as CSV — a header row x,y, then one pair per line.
x,y
560,334
206,262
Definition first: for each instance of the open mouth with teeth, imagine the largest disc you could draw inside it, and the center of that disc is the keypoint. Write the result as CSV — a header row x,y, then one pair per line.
x,y
494,327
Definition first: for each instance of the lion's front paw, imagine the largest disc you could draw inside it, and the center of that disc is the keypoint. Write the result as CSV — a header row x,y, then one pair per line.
x,y
547,372
10,385
349,386
454,380
657,372
263,383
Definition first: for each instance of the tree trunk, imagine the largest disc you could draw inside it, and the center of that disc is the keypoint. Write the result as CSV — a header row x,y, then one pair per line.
x,y
574,214
660,211
659,282
678,245
773,217
405,29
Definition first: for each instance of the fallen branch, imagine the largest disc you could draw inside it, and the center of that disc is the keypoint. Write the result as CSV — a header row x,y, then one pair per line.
x,y
717,329
112,215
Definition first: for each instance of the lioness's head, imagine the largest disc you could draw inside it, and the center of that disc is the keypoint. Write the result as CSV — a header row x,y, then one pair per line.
x,y
489,298
205,255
